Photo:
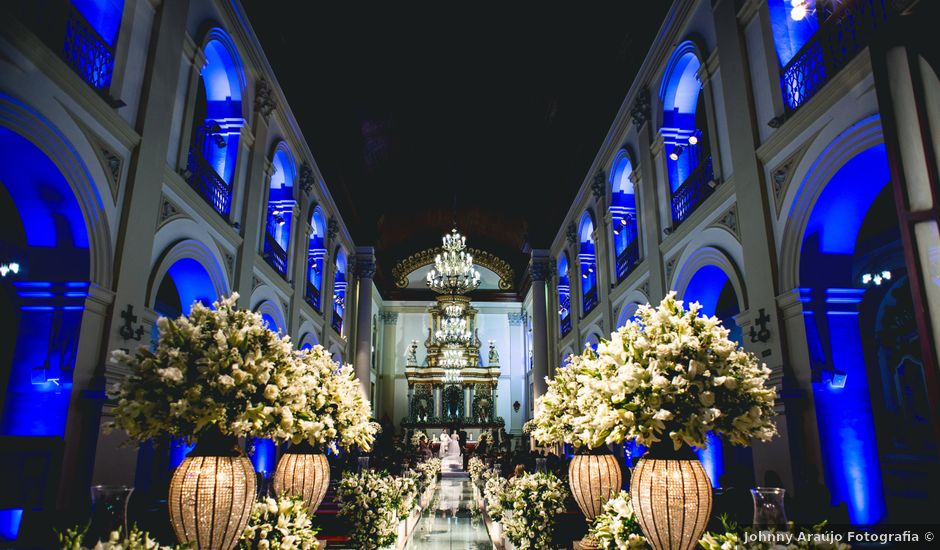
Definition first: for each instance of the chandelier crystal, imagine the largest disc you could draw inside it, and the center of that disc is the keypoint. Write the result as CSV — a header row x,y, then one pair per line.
x,y
453,271
452,358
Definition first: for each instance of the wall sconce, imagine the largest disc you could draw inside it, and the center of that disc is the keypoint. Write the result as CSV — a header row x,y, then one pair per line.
x,y
693,139
516,406
6,269
674,155
876,278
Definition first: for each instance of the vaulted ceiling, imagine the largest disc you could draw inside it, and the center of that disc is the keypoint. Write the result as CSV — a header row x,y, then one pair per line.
x,y
413,109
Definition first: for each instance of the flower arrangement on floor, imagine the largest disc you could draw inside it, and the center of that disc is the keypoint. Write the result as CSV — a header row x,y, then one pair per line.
x,y
475,467
417,438
374,503
136,539
535,500
426,473
616,528
494,487
282,524
670,374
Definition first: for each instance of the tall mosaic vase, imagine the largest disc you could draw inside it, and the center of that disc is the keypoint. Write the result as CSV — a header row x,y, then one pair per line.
x,y
304,472
212,493
671,496
594,478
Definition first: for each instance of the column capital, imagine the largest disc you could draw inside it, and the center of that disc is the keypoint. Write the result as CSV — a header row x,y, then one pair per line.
x,y
540,266
264,99
634,177
516,318
389,317
365,262
599,185
640,111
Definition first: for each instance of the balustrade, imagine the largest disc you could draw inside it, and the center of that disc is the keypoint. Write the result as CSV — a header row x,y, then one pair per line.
x,y
692,193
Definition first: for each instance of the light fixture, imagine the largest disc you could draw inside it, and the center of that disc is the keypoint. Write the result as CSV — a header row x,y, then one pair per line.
x,y
453,309
876,278
339,300
453,271
674,155
623,221
7,268
453,331
800,9
693,139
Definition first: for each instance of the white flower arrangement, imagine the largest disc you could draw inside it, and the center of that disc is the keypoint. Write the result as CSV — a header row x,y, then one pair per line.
x,y
616,528
282,524
374,503
493,488
535,500
427,473
222,367
136,539
671,373
476,467
417,438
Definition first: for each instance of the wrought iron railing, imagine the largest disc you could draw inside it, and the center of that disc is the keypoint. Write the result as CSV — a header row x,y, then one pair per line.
x,y
628,259
202,177
313,296
845,32
87,53
274,254
692,193
590,300
337,322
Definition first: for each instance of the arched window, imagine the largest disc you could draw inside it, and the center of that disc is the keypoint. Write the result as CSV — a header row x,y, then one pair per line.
x,y
685,134
217,122
280,210
564,295
316,252
339,291
624,217
588,260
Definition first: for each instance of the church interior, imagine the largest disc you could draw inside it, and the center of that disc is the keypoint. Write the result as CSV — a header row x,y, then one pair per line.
x,y
681,290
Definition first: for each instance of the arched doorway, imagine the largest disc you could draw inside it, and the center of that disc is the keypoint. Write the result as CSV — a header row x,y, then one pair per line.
x,y
588,260
280,211
623,217
868,386
564,295
316,254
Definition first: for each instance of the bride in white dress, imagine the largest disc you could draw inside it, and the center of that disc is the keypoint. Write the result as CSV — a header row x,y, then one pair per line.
x,y
452,457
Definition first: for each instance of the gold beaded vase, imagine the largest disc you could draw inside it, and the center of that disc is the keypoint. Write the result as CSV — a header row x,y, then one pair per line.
x,y
212,493
594,478
305,473
671,496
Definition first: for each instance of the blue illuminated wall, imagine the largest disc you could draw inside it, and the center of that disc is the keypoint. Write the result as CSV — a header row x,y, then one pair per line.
x,y
223,84
193,283
623,206
564,294
316,250
844,413
789,35
680,96
103,15
281,199
587,259
339,290
263,455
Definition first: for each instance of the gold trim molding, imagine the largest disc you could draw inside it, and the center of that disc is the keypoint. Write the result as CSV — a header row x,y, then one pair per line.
x,y
418,260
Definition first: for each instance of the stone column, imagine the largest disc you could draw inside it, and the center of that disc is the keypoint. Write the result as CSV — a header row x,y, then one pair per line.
x,y
389,361
365,270
198,63
139,214
539,270
252,222
649,187
602,272
438,400
468,400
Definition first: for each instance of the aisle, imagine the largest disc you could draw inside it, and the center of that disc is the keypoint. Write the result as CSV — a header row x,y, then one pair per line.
x,y
449,522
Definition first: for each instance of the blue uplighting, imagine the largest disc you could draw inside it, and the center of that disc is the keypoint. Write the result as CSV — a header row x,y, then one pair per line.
x,y
179,449
712,458
103,15
192,282
789,35
222,76
263,456
10,520
44,200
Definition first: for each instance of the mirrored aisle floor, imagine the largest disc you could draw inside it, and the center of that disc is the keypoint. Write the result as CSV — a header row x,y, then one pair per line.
x,y
450,521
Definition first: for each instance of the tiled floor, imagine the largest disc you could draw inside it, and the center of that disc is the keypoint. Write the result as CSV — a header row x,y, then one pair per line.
x,y
451,522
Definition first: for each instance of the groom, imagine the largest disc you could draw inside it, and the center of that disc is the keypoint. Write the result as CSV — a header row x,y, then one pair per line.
x,y
445,442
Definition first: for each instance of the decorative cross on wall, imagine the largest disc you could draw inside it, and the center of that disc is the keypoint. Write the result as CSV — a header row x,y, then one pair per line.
x,y
762,334
127,331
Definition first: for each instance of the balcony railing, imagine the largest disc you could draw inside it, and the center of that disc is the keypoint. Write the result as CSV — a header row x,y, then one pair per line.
x,y
87,53
274,254
845,32
203,178
628,259
590,300
337,322
313,296
565,325
692,193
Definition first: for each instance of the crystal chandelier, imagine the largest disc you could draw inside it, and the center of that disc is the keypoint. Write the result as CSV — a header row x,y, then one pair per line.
x,y
452,376
453,271
452,358
453,331
453,309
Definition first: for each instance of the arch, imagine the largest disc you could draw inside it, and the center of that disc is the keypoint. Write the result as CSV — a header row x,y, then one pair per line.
x,y
272,315
566,357
592,340
564,294
626,313
218,117
685,132
800,203
194,271
316,255
587,259
280,209
339,289
623,214
718,267
26,134
307,340
336,352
